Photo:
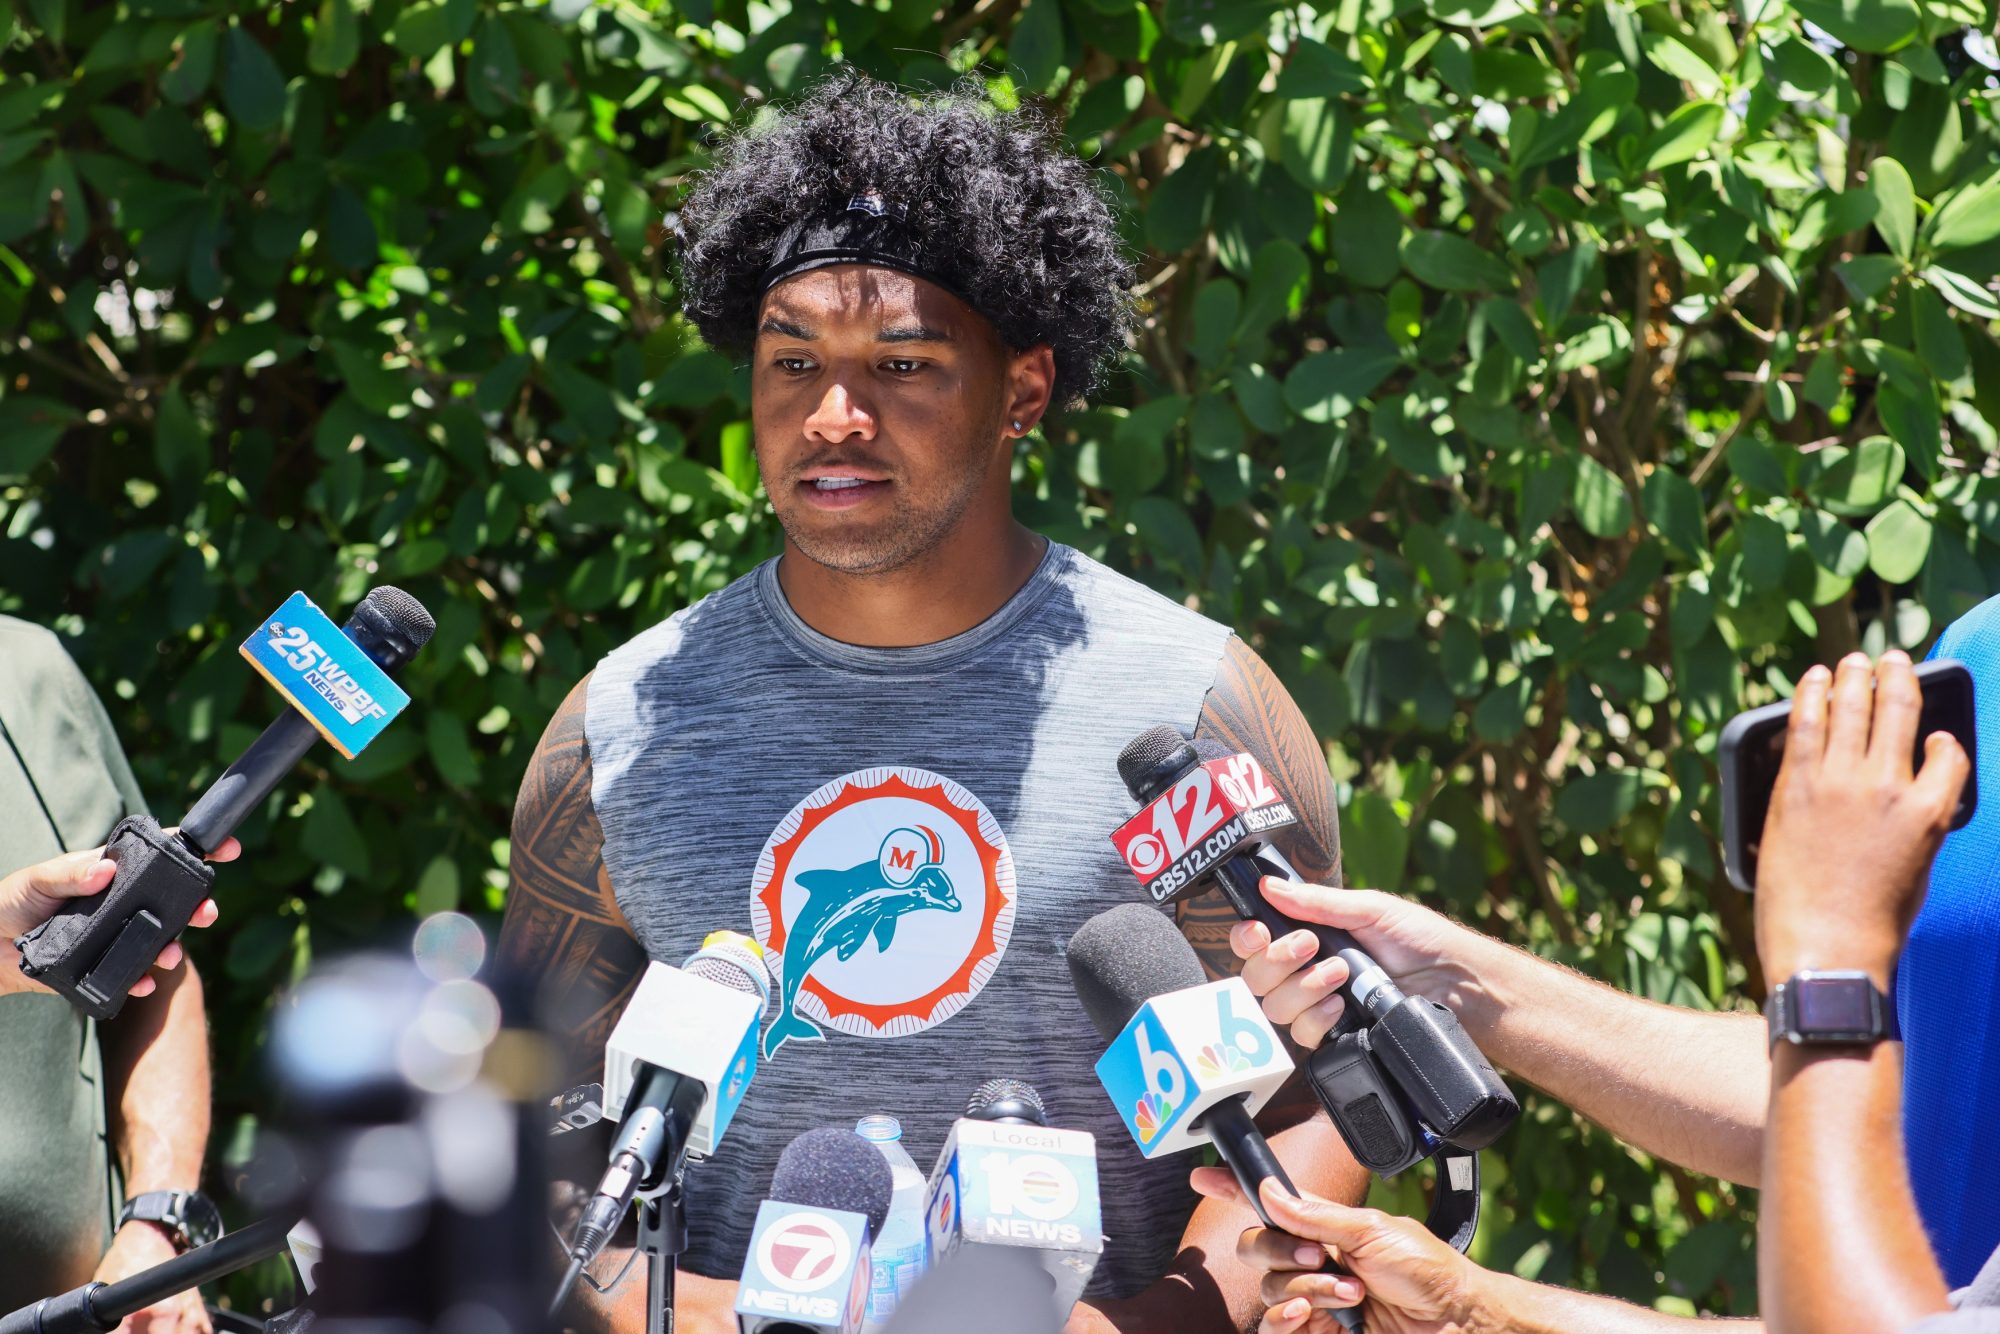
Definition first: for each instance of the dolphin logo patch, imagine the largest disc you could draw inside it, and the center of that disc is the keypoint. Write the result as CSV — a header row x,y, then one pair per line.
x,y
885,900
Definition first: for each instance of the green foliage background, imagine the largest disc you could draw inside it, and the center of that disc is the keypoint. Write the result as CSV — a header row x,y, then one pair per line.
x,y
1532,385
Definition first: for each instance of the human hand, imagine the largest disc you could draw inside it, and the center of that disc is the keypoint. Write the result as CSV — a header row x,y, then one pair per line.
x,y
33,894
137,1248
1847,847
1426,953
1406,1280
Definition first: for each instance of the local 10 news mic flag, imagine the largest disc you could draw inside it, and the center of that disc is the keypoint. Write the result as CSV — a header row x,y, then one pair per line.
x,y
1005,1179
1190,1061
675,1071
807,1268
336,679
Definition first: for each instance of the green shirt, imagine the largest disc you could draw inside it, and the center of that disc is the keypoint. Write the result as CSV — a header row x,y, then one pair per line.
x,y
64,783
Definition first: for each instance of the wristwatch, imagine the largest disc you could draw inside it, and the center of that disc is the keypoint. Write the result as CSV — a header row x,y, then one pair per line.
x,y
188,1216
1831,1008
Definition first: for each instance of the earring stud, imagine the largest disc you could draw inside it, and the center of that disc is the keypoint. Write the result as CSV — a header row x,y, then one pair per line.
x,y
1017,424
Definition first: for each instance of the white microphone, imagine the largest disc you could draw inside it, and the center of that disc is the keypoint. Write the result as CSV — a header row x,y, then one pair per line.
x,y
675,1071
807,1267
1006,1180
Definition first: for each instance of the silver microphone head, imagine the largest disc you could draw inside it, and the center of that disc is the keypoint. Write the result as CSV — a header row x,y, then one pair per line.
x,y
1009,1101
731,959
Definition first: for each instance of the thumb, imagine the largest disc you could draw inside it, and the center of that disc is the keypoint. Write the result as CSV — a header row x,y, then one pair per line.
x,y
73,875
1314,1219
1944,772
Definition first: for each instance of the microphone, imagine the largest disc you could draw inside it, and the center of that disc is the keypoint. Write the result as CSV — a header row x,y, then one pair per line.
x,y
1007,1182
337,680
807,1268
1190,1061
675,1071
1401,1077
1008,1101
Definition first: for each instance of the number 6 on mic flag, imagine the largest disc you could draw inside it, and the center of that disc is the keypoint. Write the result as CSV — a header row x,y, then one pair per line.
x,y
1184,1052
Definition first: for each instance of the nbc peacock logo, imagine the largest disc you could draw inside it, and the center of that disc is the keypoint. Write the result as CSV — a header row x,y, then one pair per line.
x,y
1218,1059
1153,1112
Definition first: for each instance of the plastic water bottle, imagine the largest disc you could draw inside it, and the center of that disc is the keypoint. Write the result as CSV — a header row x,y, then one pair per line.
x,y
899,1253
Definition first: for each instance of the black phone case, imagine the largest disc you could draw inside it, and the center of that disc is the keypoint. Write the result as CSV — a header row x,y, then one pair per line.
x,y
94,949
1751,729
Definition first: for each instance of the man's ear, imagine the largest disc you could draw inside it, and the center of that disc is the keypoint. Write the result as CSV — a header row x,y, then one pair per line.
x,y
1031,383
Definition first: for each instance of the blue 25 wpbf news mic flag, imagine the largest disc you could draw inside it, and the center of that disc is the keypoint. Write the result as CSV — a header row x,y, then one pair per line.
x,y
325,675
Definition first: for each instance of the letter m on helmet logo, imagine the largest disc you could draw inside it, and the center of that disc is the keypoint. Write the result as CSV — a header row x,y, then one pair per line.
x,y
900,859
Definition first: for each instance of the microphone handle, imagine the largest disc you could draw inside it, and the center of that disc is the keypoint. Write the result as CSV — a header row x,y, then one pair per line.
x,y
1240,877
97,1306
245,784
1230,1127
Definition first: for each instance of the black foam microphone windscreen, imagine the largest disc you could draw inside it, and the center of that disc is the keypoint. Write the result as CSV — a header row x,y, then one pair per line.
x,y
1152,760
1125,956
829,1168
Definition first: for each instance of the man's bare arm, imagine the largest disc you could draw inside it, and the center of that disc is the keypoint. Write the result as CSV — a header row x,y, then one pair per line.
x,y
563,928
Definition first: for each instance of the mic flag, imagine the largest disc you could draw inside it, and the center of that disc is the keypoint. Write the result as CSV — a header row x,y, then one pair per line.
x,y
807,1269
1025,1187
326,676
1209,812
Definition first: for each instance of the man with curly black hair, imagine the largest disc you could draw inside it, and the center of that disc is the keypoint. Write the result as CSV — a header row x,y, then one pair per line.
x,y
895,745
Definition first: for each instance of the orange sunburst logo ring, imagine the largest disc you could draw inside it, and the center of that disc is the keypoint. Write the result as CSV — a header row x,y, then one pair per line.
x,y
953,803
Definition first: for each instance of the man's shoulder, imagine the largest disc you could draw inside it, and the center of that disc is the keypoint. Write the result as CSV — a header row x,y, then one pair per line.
x,y
33,652
1973,637
1115,595
714,618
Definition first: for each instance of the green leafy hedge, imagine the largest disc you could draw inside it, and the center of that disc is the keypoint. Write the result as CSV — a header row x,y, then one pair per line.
x,y
1533,385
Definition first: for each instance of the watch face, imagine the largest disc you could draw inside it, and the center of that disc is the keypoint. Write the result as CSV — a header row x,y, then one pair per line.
x,y
1835,1005
203,1222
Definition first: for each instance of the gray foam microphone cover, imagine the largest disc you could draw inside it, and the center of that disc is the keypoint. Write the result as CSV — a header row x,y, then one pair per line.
x,y
1125,956
830,1168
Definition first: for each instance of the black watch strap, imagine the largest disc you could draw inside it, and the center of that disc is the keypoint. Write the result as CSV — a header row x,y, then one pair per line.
x,y
188,1216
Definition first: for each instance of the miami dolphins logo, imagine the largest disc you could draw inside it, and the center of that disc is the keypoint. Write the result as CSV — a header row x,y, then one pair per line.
x,y
885,900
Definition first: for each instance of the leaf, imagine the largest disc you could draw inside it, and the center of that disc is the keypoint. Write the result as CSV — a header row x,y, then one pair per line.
x,y
1036,44
252,88
1604,340
1895,204
1366,232
1317,70
1975,299
1453,264
1318,143
1684,136
1329,385
1374,841
1862,481
1969,216
180,446
1938,341
1674,510
423,28
1899,538
30,426
1866,25
1675,57
1915,420
1868,276
336,38
1593,803
1602,506
1178,210
193,66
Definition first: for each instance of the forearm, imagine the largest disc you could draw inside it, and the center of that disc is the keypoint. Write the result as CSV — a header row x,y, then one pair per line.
x,y
1207,1287
156,1073
1840,1242
1516,1306
1685,1085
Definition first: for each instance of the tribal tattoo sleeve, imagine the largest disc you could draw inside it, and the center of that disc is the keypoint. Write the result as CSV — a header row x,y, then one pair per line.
x,y
1247,709
563,930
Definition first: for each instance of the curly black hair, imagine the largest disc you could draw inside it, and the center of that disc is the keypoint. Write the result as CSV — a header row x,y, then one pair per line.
x,y
992,202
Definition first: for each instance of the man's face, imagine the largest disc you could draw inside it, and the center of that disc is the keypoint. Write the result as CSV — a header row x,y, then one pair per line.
x,y
879,402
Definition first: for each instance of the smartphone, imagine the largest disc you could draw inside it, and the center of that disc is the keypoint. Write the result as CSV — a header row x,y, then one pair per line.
x,y
1753,745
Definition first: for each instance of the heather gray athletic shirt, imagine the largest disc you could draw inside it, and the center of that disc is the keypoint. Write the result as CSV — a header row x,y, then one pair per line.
x,y
914,833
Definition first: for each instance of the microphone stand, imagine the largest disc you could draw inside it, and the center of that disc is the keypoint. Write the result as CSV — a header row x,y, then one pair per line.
x,y
663,1238
98,1307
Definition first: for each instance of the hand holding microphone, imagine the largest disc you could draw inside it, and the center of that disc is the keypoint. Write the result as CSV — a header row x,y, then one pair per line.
x,y
33,894
93,950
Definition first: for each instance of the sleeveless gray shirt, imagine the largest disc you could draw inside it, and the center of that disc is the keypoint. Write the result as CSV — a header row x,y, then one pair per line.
x,y
913,833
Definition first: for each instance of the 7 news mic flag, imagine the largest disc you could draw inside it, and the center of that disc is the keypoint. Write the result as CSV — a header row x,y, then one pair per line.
x,y
808,1265
336,679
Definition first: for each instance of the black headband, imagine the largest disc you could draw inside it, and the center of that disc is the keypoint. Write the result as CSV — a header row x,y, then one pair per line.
x,y
863,231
